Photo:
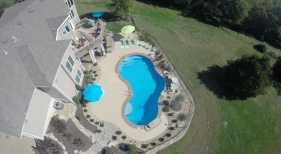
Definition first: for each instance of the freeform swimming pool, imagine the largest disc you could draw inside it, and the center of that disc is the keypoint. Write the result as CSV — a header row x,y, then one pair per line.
x,y
146,85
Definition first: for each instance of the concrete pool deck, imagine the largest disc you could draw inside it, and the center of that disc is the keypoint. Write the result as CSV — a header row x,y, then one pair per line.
x,y
109,107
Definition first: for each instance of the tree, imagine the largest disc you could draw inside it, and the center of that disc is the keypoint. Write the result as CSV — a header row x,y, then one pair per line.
x,y
132,148
122,8
277,69
245,77
235,11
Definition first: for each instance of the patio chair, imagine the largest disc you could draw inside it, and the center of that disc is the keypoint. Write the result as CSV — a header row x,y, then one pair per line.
x,y
135,41
129,42
122,41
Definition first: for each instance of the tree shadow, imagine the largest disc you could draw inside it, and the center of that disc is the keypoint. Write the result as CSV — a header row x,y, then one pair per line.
x,y
209,79
276,84
107,16
212,79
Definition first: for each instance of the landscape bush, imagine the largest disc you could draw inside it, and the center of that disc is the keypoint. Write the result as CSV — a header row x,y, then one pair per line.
x,y
124,137
153,144
114,137
118,132
78,87
85,110
76,99
171,128
97,123
88,116
166,109
165,102
161,139
79,118
92,120
168,134
99,131
78,142
58,125
68,136
132,148
182,117
101,125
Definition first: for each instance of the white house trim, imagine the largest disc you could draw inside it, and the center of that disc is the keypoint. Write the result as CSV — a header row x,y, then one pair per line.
x,y
64,94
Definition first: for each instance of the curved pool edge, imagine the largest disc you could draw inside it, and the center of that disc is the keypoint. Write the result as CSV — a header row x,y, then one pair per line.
x,y
130,89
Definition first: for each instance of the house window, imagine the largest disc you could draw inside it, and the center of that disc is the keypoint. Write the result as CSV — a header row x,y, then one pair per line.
x,y
72,14
67,30
68,4
71,2
78,76
70,64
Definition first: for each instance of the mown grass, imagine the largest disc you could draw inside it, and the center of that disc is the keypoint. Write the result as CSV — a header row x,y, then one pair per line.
x,y
253,125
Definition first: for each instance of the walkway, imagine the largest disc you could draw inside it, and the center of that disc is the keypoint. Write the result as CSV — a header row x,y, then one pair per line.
x,y
110,105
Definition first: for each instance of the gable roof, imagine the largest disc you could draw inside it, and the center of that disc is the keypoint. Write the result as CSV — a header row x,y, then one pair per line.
x,y
32,61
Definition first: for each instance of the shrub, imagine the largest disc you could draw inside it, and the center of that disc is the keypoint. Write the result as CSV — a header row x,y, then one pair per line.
x,y
167,68
84,105
165,102
88,116
171,114
161,139
97,123
85,110
55,148
171,128
94,79
58,125
174,121
168,134
78,142
144,145
166,109
96,75
168,97
262,47
99,131
95,64
78,87
79,118
92,120
101,125
153,144
109,152
86,72
124,137
76,99
182,117
132,148
94,72
68,136
114,137
179,98
118,132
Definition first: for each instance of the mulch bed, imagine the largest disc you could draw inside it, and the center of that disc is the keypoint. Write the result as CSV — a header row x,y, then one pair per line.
x,y
76,133
175,106
118,150
84,122
44,146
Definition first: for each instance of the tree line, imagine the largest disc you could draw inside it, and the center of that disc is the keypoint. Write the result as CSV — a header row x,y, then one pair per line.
x,y
258,18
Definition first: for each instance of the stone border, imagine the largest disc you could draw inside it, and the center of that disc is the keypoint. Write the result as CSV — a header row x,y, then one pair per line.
x,y
129,87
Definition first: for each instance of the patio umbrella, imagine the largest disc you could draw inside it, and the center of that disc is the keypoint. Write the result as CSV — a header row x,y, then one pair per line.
x,y
127,29
97,14
92,93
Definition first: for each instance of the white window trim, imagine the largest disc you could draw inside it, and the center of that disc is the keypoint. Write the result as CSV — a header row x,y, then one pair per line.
x,y
66,32
78,76
70,64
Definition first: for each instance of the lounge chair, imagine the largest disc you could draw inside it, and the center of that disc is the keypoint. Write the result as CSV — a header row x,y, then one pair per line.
x,y
123,45
135,42
152,124
128,42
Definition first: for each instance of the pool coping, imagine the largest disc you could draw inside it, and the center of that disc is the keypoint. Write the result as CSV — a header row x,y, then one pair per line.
x,y
129,88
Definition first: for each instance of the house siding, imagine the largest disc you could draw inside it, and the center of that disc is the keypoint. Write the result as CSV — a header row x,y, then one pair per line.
x,y
65,81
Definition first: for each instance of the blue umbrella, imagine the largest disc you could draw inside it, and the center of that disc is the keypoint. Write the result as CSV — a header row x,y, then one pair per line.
x,y
97,14
92,93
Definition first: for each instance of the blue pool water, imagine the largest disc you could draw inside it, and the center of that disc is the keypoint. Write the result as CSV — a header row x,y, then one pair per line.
x,y
146,85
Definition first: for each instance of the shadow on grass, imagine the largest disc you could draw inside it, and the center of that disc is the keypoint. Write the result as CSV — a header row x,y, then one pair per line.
x,y
276,84
107,16
210,77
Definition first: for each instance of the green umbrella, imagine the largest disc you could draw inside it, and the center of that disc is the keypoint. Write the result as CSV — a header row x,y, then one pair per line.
x,y
127,29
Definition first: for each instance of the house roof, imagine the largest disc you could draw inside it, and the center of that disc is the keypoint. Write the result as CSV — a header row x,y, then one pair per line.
x,y
32,61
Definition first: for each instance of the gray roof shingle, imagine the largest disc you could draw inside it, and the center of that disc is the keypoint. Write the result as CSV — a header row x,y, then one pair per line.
x,y
32,60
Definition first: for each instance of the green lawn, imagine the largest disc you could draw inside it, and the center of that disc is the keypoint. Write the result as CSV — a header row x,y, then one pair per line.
x,y
253,125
